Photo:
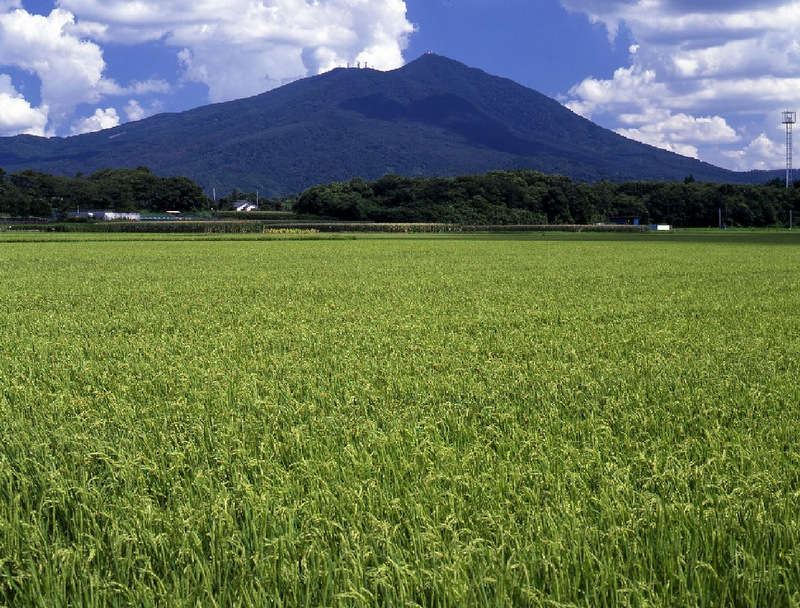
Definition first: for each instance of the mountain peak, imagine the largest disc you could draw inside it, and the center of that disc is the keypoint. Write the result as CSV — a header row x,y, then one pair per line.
x,y
433,116
431,58
431,62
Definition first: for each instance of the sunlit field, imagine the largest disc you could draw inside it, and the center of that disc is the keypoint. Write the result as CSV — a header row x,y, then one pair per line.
x,y
409,420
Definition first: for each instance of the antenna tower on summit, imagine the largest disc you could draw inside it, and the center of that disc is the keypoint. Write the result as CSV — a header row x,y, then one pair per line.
x,y
789,118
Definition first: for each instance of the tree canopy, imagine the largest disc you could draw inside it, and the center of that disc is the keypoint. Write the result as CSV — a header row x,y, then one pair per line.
x,y
530,197
32,193
497,197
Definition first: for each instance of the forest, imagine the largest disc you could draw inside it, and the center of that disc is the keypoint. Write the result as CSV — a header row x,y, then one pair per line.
x,y
530,197
497,197
31,193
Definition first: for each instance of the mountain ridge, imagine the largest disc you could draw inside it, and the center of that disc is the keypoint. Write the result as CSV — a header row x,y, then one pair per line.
x,y
433,116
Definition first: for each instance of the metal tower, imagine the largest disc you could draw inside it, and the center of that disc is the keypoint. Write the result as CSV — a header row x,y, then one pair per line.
x,y
789,118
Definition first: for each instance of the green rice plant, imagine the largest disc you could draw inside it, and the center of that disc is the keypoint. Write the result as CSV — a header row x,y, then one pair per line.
x,y
590,420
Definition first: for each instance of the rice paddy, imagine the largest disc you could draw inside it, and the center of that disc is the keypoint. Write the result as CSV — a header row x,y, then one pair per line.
x,y
525,420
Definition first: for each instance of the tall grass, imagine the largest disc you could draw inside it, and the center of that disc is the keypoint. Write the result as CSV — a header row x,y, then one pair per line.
x,y
400,421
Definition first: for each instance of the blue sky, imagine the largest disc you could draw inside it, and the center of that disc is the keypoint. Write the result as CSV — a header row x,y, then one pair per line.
x,y
704,78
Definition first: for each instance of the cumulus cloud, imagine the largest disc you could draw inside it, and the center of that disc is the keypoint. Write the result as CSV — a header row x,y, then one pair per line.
x,y
69,69
235,48
758,154
721,72
101,119
16,114
135,111
624,90
240,47
679,133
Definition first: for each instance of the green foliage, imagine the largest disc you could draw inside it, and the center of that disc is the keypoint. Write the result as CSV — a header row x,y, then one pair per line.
x,y
582,420
495,198
31,193
530,197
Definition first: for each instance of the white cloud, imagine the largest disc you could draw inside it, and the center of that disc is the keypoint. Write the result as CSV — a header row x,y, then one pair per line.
x,y
101,119
135,111
70,69
109,87
761,153
235,48
679,133
721,72
241,47
625,89
16,114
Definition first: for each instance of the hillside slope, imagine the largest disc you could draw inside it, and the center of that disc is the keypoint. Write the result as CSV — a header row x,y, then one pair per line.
x,y
434,116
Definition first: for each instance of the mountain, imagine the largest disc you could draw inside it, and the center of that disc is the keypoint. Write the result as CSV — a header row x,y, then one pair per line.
x,y
434,116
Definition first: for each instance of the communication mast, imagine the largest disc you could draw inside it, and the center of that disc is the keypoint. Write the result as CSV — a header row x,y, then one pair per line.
x,y
789,118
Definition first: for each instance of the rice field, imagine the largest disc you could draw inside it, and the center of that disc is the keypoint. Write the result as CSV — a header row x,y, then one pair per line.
x,y
525,420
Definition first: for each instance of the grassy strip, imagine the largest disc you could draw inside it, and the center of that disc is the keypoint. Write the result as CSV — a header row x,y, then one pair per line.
x,y
261,226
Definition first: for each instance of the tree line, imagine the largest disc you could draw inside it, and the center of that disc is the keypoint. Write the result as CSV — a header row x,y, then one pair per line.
x,y
498,197
530,197
35,194
32,193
